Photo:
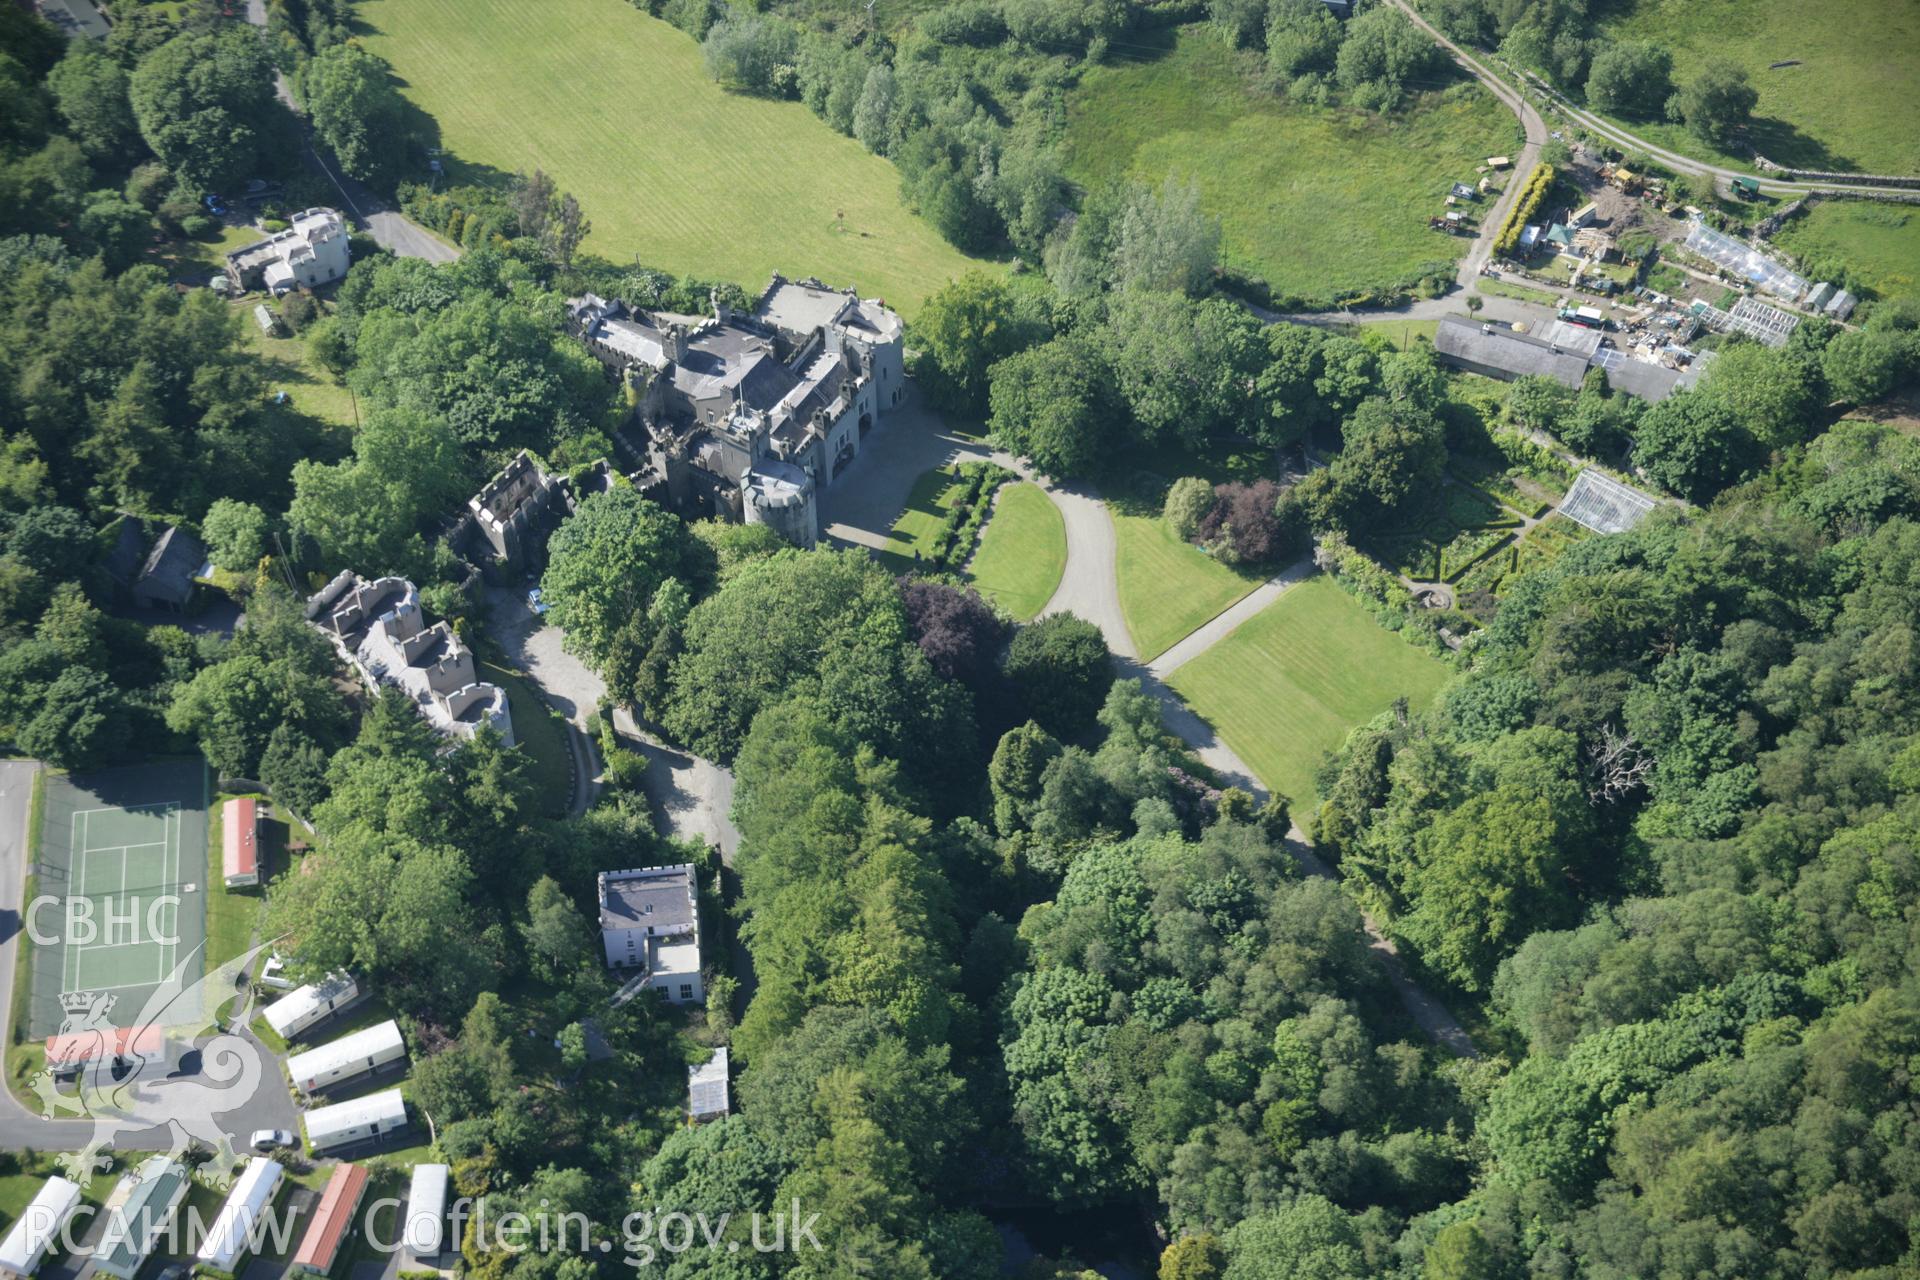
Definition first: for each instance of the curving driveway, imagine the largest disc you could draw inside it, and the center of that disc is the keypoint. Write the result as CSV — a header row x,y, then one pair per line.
x,y
1090,583
914,440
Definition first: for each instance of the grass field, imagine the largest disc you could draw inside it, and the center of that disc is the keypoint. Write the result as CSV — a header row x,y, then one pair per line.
x,y
194,262
1023,551
1316,201
1851,102
1518,292
1878,243
1403,333
1285,688
618,109
1169,587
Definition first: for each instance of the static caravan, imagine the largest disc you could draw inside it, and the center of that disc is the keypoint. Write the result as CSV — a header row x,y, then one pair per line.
x,y
427,1211
332,1220
240,842
346,1059
707,1087
139,1210
345,1123
299,1009
231,1235
38,1228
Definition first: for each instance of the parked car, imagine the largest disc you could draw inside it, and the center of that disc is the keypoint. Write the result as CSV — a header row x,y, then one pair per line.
x,y
270,1139
216,206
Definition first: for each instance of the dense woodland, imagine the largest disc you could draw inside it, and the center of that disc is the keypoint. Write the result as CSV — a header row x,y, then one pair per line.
x,y
1008,947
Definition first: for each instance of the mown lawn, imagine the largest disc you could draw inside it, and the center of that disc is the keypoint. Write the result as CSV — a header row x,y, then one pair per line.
x,y
913,539
1285,688
194,262
541,736
617,107
1518,292
288,367
1878,243
1169,587
1403,333
1023,551
1849,105
1316,201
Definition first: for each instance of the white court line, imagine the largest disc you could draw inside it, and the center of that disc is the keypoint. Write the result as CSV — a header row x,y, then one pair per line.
x,y
170,874
172,816
131,808
76,863
119,986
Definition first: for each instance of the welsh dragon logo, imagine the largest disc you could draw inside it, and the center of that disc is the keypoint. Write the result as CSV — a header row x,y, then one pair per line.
x,y
122,1085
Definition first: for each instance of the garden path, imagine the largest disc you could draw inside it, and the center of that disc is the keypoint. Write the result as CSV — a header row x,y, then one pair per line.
x,y
1092,557
1224,623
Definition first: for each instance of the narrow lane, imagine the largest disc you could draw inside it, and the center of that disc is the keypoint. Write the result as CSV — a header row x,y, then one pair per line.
x,y
1090,585
391,230
1533,126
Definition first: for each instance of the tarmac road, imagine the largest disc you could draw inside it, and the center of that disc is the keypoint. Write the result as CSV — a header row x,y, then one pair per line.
x,y
19,1127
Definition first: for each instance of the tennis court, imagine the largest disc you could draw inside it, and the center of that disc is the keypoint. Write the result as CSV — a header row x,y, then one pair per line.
x,y
119,902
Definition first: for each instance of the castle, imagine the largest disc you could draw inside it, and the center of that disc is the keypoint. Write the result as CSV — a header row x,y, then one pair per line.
x,y
380,630
748,417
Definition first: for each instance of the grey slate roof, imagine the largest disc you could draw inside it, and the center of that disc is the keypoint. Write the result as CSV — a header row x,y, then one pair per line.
x,y
129,552
1577,338
1512,354
168,574
1650,382
663,900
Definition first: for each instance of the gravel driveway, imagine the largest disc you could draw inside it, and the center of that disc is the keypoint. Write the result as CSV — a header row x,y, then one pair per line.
x,y
690,796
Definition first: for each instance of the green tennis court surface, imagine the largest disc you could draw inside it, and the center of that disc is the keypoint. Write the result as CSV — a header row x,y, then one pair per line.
x,y
119,902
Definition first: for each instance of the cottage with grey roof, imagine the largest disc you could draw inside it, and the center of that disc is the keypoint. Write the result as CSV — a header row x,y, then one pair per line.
x,y
748,417
166,577
650,920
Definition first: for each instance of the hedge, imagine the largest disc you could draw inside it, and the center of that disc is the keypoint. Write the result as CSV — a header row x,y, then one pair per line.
x,y
1538,183
979,481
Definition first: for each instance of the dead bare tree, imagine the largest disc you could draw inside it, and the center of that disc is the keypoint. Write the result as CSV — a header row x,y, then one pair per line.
x,y
1616,766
